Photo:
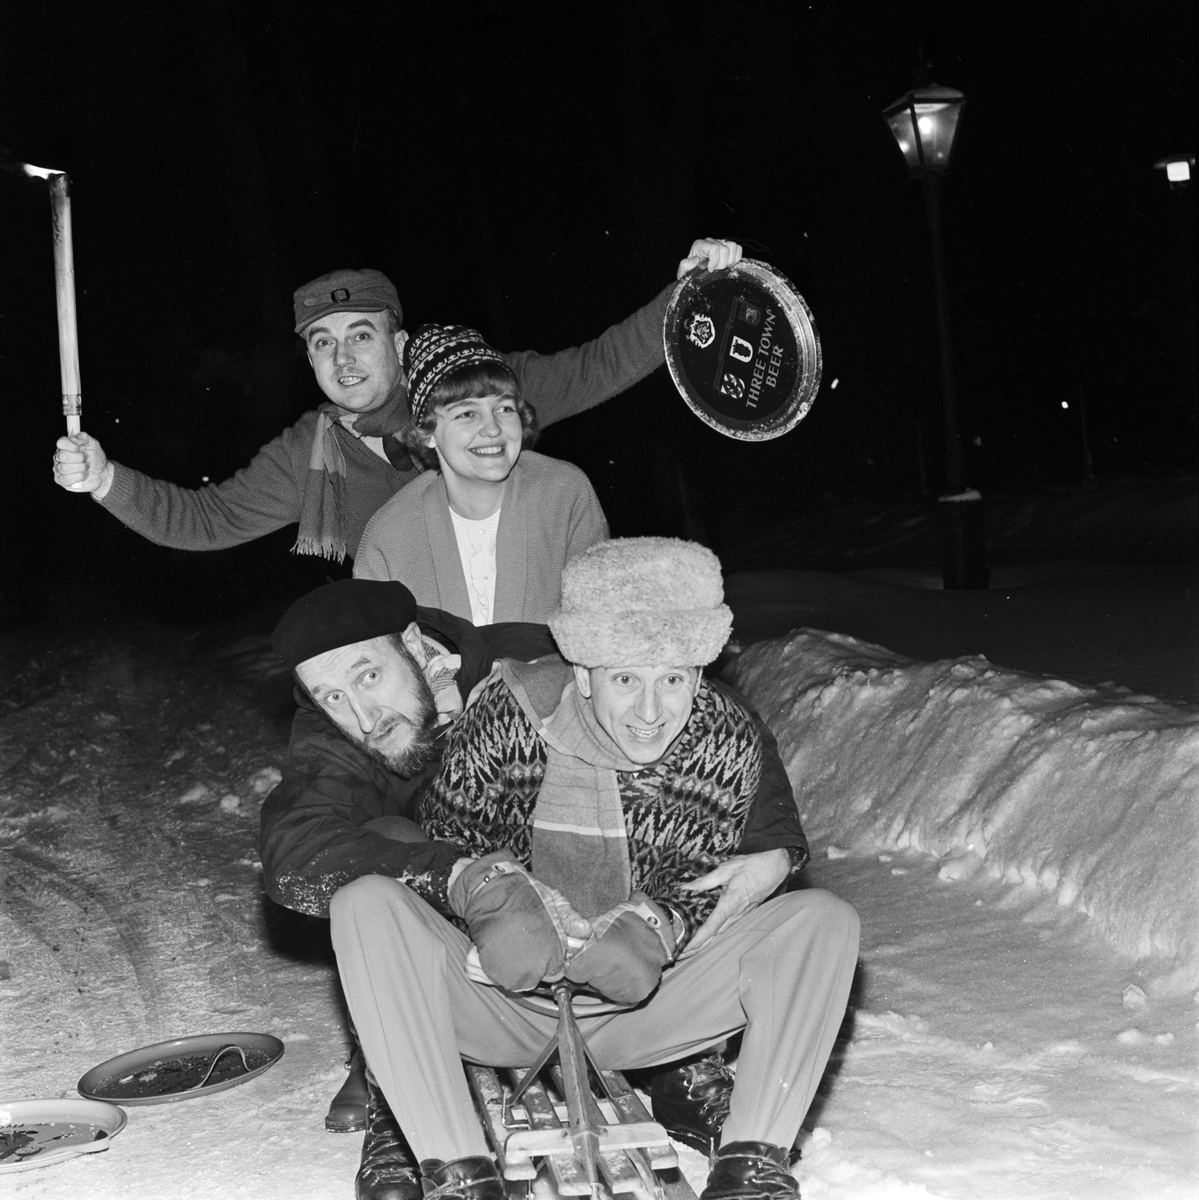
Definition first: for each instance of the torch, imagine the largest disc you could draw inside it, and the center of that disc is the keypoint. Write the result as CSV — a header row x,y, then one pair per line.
x,y
64,286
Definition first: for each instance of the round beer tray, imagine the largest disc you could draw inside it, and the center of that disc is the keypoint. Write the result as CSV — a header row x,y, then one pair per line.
x,y
742,349
182,1069
38,1133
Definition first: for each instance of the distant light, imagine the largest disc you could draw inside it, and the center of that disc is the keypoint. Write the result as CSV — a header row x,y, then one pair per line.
x,y
1064,404
833,385
116,420
203,478
1177,168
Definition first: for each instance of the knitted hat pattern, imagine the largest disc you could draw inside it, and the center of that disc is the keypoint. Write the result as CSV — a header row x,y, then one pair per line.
x,y
434,352
646,601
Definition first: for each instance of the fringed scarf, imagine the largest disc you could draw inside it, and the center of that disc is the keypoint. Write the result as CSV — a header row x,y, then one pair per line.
x,y
323,505
580,846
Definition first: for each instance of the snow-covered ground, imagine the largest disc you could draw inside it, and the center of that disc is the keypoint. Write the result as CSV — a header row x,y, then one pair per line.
x,y
1022,851
1019,836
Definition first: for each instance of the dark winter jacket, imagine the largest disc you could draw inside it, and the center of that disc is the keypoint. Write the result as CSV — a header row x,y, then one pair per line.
x,y
312,838
267,494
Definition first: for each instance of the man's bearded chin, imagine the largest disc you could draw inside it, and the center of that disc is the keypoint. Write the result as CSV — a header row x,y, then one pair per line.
x,y
421,747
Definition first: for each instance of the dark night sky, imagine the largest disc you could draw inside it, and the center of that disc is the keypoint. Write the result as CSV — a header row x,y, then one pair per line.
x,y
538,171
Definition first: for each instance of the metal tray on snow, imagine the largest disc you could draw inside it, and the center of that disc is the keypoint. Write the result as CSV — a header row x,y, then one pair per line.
x,y
177,1070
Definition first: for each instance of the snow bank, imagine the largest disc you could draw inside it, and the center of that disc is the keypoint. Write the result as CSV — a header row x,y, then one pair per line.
x,y
1088,795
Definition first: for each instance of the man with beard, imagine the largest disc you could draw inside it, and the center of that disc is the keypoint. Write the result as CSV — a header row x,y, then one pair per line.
x,y
379,682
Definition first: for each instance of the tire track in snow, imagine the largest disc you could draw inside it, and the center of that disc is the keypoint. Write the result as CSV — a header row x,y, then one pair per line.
x,y
82,891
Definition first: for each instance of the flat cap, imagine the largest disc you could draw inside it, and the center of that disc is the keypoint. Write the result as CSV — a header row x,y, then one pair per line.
x,y
340,614
345,291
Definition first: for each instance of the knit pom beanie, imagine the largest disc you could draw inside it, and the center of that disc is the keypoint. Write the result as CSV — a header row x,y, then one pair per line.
x,y
646,601
435,352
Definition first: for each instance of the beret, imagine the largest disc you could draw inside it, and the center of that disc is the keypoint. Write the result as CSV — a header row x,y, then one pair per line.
x,y
340,614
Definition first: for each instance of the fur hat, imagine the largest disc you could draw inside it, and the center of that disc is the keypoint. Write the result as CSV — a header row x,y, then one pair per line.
x,y
642,602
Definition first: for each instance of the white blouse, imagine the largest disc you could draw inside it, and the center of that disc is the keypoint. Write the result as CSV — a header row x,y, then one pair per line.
x,y
476,548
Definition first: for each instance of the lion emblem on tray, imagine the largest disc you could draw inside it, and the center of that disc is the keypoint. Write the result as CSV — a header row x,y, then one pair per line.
x,y
701,330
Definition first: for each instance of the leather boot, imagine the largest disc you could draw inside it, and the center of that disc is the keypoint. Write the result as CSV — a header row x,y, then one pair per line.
x,y
388,1170
691,1102
751,1171
473,1178
347,1112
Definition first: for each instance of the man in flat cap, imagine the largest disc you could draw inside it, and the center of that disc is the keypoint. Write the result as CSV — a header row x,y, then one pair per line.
x,y
332,469
378,680
576,804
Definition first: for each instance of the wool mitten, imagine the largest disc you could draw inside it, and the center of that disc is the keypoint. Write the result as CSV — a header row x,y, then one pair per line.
x,y
517,923
628,947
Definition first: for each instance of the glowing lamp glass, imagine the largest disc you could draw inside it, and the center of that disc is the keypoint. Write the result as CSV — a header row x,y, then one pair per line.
x,y
1178,172
924,123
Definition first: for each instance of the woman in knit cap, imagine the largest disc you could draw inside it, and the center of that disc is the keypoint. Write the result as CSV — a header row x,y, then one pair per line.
x,y
484,534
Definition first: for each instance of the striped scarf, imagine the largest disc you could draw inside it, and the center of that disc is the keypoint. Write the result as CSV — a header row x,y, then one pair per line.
x,y
579,842
323,505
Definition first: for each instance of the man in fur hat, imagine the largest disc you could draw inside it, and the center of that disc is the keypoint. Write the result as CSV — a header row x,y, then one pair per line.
x,y
379,682
576,804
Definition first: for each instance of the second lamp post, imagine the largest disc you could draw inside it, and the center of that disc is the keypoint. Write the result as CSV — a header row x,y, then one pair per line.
x,y
924,122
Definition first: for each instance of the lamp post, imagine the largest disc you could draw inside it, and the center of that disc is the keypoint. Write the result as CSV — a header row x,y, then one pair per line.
x,y
924,123
1180,169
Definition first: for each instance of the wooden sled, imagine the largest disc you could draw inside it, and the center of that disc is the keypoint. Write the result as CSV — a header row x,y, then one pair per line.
x,y
587,1129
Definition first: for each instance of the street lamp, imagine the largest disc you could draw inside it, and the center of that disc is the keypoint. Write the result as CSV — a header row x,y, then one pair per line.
x,y
1179,169
924,123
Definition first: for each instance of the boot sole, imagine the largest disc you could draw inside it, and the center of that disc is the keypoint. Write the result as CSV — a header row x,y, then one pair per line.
x,y
704,1146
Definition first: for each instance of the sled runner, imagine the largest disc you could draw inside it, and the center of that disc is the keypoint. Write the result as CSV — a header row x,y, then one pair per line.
x,y
588,1127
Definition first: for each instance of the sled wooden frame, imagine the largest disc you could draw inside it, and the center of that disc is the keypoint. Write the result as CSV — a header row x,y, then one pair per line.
x,y
548,1114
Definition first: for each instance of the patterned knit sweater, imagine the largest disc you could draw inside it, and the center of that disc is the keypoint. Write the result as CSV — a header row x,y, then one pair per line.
x,y
550,514
683,816
268,493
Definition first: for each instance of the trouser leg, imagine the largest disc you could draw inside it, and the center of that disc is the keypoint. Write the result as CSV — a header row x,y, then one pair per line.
x,y
402,966
794,986
347,1110
782,972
